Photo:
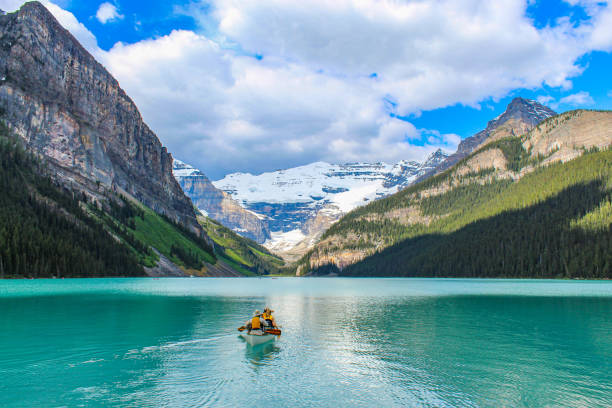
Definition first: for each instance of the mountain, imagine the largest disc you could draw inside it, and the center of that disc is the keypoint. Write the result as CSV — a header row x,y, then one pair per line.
x,y
295,206
44,229
531,205
520,116
68,108
219,205
86,188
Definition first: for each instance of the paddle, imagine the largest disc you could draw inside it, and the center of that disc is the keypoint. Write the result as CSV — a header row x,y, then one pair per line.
x,y
276,332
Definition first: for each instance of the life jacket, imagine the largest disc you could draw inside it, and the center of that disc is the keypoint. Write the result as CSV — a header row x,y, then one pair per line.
x,y
266,316
255,323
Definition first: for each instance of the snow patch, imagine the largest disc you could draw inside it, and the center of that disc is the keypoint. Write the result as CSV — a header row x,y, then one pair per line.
x,y
283,241
181,169
360,195
318,181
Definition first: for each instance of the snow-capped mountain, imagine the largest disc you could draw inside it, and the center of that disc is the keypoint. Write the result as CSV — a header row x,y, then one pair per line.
x,y
299,203
288,210
344,185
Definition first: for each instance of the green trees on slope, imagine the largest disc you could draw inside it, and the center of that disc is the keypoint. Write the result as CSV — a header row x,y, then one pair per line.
x,y
537,241
44,231
47,230
554,222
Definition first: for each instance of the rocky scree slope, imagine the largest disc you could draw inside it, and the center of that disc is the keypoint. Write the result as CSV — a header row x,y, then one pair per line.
x,y
530,195
68,108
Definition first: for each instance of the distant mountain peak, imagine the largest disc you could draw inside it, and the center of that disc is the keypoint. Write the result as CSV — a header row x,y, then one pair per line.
x,y
530,111
435,156
520,116
182,169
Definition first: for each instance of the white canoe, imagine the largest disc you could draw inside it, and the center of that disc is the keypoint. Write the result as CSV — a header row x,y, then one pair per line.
x,y
255,339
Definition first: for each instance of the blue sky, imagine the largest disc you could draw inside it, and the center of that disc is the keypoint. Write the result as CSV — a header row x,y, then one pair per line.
x,y
257,85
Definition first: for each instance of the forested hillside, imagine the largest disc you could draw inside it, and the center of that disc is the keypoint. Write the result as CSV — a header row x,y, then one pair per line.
x,y
511,209
44,230
47,230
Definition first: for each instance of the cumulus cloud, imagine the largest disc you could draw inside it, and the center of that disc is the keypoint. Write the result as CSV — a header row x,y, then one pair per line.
x,y
331,73
581,98
108,12
545,99
10,5
578,99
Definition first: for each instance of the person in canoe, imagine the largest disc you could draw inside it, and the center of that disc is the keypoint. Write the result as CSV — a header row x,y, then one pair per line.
x,y
268,318
254,323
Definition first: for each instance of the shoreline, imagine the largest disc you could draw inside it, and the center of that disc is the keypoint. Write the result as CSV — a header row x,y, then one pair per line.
x,y
15,278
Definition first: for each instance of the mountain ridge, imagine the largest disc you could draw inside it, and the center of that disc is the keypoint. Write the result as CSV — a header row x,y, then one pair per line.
x,y
218,204
545,163
520,116
68,108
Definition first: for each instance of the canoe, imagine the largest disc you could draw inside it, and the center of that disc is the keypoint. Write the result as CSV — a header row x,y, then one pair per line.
x,y
255,339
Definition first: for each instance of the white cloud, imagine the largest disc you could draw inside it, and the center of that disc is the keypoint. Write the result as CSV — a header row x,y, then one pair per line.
x,y
312,98
545,99
581,98
577,99
108,12
10,5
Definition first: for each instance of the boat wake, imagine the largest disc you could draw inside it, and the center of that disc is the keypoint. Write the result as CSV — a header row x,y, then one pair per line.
x,y
161,347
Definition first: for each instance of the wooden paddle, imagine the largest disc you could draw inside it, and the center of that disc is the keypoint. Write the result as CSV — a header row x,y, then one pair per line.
x,y
276,332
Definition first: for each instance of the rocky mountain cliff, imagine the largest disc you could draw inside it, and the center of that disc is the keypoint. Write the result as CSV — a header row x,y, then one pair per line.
x,y
218,204
520,116
517,206
68,108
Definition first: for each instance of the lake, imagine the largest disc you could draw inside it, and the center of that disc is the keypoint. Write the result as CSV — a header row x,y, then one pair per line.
x,y
345,343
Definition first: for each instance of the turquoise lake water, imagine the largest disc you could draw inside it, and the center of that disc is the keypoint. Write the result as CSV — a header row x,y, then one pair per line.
x,y
345,343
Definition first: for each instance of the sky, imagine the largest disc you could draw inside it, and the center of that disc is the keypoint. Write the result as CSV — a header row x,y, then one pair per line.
x,y
260,85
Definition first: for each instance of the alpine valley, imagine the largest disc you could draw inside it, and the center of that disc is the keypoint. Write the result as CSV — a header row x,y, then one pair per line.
x,y
87,189
288,210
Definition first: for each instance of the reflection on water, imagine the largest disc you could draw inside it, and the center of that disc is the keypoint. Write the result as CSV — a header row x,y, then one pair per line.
x,y
261,354
345,342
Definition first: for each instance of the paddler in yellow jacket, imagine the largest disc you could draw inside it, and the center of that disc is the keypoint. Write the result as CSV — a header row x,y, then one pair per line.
x,y
268,317
254,323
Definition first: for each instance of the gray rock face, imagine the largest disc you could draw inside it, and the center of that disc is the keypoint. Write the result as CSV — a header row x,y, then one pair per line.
x,y
219,205
520,116
68,107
